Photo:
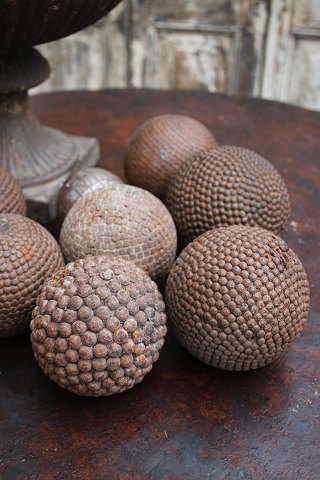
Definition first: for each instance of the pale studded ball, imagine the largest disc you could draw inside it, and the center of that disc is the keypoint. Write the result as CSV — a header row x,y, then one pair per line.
x,y
122,221
82,182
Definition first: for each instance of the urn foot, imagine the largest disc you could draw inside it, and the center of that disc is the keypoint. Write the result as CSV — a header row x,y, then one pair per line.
x,y
41,198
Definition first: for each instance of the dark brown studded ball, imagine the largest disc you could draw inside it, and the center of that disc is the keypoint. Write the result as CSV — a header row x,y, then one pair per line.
x,y
227,186
80,183
11,196
238,297
29,255
160,146
98,326
122,221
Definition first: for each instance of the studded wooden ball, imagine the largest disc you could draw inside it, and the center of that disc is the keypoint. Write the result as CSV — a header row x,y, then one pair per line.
x,y
122,221
238,297
28,256
98,326
80,183
160,146
11,196
227,186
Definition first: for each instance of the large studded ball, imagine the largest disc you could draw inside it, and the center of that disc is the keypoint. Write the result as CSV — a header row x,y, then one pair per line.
x,y
238,297
98,326
122,221
227,186
160,146
80,183
28,256
11,196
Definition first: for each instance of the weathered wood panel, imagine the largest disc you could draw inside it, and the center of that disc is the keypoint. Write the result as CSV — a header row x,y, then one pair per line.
x,y
278,50
304,85
292,68
250,47
181,59
206,45
307,14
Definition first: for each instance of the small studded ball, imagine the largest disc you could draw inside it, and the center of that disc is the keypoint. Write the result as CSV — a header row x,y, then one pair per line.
x,y
11,196
160,146
122,221
98,326
227,186
29,255
80,183
238,297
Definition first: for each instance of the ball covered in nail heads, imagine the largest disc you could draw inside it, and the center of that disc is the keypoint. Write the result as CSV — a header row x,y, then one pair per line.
x,y
160,146
98,326
238,297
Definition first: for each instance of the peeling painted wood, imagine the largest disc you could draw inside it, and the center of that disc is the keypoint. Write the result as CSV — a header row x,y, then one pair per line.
x,y
292,68
265,48
214,47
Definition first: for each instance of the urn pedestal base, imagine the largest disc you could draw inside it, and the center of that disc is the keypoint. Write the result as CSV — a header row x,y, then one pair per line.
x,y
39,158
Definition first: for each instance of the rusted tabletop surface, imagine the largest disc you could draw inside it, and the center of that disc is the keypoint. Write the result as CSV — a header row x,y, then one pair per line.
x,y
185,420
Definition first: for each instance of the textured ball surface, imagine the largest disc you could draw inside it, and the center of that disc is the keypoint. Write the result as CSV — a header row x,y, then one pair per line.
x,y
28,256
11,196
122,221
82,182
227,186
98,326
238,297
160,146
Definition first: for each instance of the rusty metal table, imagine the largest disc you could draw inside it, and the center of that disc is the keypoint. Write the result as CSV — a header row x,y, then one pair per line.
x,y
185,420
